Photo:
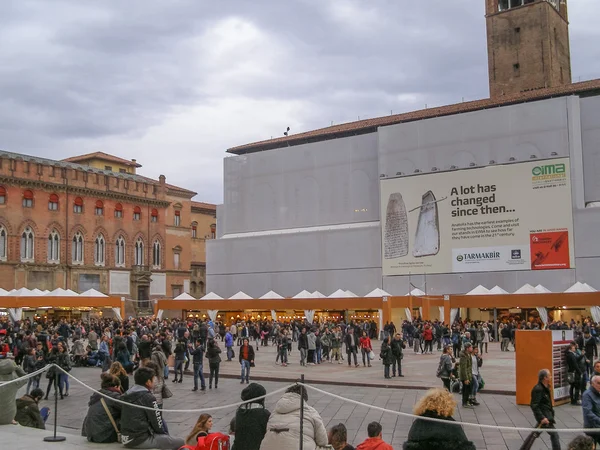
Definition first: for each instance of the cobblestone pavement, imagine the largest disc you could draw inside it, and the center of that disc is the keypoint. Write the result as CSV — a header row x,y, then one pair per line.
x,y
494,410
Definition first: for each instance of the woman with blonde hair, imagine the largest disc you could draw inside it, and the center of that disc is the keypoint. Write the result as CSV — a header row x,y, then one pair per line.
x,y
202,428
425,434
118,371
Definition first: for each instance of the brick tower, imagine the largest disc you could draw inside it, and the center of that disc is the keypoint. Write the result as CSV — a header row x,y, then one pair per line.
x,y
528,45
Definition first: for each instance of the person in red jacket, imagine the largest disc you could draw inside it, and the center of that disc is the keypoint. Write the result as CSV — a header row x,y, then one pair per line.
x,y
428,338
365,348
374,441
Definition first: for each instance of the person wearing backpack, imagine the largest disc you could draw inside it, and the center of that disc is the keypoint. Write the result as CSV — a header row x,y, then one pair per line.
x,y
251,419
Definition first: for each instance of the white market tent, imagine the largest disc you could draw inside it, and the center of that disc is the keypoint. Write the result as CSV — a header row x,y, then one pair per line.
x,y
527,289
338,294
303,294
240,296
497,290
377,293
479,290
36,292
416,293
580,287
212,296
317,294
57,292
271,295
70,293
350,294
92,293
543,289
184,296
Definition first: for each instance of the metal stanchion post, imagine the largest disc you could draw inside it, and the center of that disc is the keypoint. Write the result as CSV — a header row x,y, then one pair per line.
x,y
302,413
55,438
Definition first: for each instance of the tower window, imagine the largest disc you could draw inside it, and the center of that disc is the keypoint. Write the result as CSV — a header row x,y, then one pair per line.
x,y
503,5
2,195
177,218
137,213
518,30
154,215
517,70
119,211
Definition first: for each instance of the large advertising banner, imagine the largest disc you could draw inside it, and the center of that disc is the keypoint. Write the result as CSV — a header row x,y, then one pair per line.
x,y
511,217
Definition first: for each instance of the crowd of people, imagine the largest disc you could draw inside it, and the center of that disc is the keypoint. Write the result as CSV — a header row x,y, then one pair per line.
x,y
141,348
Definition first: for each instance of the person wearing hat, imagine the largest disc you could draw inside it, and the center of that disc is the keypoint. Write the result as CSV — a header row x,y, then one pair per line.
x,y
251,419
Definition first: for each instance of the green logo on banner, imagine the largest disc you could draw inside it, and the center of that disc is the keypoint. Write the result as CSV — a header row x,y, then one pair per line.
x,y
549,169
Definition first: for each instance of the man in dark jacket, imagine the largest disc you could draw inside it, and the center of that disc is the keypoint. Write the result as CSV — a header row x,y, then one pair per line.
x,y
145,349
303,346
397,346
246,358
198,355
351,341
587,344
590,402
541,405
251,419
28,411
143,428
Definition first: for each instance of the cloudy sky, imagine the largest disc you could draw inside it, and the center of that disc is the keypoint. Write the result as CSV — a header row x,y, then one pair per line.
x,y
174,83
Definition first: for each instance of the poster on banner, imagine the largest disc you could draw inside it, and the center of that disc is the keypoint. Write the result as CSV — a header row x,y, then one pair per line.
x,y
560,345
494,218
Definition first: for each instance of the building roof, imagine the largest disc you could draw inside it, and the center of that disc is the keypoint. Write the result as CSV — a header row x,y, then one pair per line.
x,y
584,88
203,205
104,157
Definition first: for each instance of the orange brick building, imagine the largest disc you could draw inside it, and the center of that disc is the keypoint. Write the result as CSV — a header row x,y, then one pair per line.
x,y
93,222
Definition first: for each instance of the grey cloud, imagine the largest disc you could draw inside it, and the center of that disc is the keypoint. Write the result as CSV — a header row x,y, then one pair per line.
x,y
113,75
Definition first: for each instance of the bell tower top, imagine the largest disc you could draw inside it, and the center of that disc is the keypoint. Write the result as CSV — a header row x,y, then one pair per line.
x,y
528,45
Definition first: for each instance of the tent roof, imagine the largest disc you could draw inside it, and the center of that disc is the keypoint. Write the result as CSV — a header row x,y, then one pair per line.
x,y
184,296
338,294
3,291
92,293
317,294
591,287
580,287
542,289
240,296
377,293
212,296
37,292
479,290
303,294
271,294
416,293
23,292
350,294
527,289
496,290
58,292
70,293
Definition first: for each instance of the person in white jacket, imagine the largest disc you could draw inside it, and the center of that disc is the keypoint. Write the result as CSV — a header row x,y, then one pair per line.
x,y
283,428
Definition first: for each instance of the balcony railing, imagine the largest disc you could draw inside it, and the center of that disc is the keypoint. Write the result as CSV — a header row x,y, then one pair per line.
x,y
139,268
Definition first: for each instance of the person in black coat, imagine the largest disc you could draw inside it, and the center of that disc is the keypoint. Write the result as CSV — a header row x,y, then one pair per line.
x,y
576,367
541,405
251,419
587,344
426,435
97,427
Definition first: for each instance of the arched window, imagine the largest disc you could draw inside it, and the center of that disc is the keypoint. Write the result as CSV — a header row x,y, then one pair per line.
x,y
77,248
54,247
3,243
28,199
137,213
194,230
139,253
53,202
99,245
156,255
154,215
27,242
120,252
119,211
2,195
78,205
177,218
99,208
